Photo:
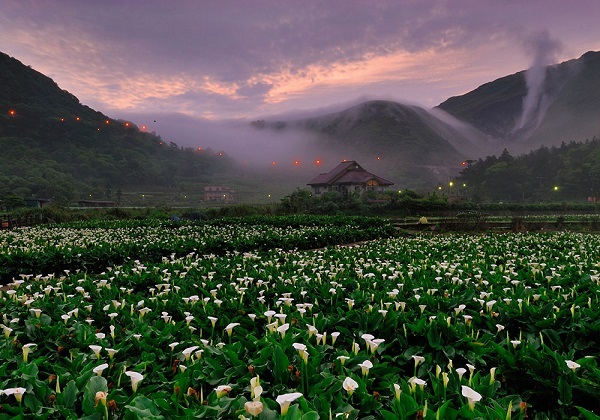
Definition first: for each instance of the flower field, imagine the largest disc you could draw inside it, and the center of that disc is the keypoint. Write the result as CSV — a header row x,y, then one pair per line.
x,y
243,319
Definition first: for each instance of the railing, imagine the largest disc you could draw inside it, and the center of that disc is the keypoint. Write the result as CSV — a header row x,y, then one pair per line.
x,y
448,224
8,221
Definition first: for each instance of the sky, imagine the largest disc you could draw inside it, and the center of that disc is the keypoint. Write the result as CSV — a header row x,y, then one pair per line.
x,y
214,60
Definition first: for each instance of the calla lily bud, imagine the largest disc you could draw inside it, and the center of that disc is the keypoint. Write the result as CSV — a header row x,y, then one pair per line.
x,y
101,398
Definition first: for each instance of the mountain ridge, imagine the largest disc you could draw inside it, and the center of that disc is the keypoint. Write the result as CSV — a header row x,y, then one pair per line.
x,y
55,147
568,108
74,151
484,121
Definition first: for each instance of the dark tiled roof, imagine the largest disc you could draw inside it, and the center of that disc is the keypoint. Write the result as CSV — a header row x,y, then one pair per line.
x,y
326,178
347,173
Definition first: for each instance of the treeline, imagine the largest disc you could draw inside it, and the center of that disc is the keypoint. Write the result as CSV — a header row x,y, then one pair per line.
x,y
369,203
301,202
54,147
570,172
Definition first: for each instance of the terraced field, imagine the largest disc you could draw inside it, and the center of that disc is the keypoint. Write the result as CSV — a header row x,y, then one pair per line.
x,y
271,319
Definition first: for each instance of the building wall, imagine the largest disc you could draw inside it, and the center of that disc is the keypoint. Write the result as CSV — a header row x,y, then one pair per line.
x,y
219,194
348,189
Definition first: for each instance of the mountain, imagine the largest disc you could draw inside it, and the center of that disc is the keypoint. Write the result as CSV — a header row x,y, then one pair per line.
x,y
55,147
522,111
416,147
405,143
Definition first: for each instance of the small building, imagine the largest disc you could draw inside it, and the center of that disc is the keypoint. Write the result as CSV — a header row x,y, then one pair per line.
x,y
347,178
217,194
37,202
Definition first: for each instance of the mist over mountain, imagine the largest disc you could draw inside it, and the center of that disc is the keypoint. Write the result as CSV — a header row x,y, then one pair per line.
x,y
545,105
567,107
54,146
406,143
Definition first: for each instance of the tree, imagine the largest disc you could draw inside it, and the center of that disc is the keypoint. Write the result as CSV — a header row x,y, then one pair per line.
x,y
12,201
298,201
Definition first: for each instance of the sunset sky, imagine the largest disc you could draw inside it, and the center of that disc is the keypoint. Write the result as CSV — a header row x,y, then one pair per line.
x,y
246,59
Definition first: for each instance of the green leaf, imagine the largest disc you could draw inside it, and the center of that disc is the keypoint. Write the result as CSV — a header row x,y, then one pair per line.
x,y
434,337
565,392
552,339
69,395
441,412
408,403
96,384
268,413
163,403
293,413
587,414
321,386
95,416
281,363
142,407
388,415
32,403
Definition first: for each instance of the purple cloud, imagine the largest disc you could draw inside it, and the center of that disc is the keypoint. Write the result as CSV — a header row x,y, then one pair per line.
x,y
245,58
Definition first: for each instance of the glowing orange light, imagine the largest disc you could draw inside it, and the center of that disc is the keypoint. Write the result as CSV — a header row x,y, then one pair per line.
x,y
12,112
62,120
77,119
220,153
160,142
378,158
296,162
143,127
464,163
199,149
126,124
317,162
107,121
274,163
345,160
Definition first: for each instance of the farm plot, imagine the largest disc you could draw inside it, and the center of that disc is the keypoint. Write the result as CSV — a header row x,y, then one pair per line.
x,y
92,246
456,326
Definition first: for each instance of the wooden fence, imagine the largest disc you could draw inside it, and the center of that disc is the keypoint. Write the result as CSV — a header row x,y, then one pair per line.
x,y
8,221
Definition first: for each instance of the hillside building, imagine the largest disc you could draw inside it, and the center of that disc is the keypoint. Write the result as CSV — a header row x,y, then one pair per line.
x,y
217,194
348,178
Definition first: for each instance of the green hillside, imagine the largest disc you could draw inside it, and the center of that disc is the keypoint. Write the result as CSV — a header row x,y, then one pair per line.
x,y
402,143
493,108
378,127
569,172
575,113
569,109
55,147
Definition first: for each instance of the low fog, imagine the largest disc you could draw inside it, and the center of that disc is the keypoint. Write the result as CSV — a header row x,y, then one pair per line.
x,y
296,152
544,50
293,152
263,143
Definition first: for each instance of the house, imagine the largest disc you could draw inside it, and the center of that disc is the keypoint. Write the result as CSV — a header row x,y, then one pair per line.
x,y
216,194
347,178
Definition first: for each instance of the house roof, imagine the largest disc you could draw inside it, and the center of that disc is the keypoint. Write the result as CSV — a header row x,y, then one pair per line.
x,y
349,172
